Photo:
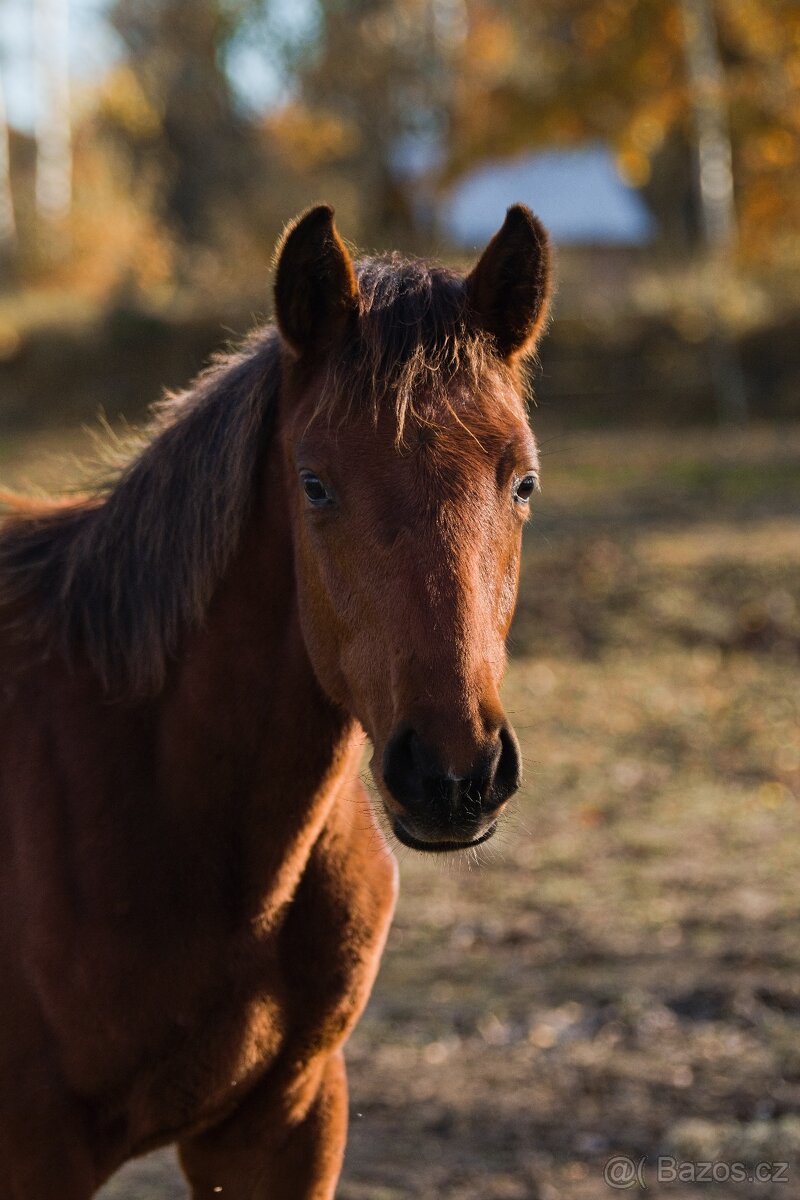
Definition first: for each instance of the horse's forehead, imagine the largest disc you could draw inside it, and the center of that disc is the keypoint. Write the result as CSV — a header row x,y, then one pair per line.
x,y
462,424
463,442
427,450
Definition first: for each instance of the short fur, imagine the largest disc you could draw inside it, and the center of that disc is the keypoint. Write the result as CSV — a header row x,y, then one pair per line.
x,y
194,890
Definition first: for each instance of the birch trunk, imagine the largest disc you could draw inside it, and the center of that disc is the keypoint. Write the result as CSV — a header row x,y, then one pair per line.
x,y
714,174
714,154
7,224
53,132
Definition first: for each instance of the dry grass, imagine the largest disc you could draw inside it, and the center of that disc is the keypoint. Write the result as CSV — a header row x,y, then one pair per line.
x,y
621,974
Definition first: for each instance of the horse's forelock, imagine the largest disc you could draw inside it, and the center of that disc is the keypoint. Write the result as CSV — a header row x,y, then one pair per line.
x,y
413,343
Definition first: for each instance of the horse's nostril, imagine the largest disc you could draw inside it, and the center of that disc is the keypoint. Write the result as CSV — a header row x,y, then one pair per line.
x,y
401,764
417,779
508,772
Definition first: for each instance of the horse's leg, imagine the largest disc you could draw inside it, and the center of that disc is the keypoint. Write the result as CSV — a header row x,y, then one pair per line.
x,y
276,1148
286,1140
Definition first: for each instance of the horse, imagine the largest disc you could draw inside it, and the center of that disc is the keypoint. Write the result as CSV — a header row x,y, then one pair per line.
x,y
318,540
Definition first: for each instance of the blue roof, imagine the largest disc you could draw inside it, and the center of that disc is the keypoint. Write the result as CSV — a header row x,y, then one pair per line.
x,y
577,193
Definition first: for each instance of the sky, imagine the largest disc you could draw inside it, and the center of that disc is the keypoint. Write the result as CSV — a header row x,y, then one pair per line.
x,y
93,49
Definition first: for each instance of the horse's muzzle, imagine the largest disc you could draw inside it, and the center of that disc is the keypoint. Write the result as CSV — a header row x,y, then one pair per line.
x,y
434,809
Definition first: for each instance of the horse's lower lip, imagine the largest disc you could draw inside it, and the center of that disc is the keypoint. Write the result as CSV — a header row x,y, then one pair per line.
x,y
439,847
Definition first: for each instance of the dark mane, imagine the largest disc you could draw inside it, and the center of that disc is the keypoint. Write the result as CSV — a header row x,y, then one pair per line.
x,y
122,575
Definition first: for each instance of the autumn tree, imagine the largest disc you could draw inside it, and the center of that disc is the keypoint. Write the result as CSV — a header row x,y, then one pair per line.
x,y
195,138
544,72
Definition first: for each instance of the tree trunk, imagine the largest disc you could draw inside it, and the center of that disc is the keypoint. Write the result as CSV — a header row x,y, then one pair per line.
x,y
7,223
714,174
53,133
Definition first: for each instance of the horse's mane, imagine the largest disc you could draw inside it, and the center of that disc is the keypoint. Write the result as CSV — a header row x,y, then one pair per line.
x,y
122,573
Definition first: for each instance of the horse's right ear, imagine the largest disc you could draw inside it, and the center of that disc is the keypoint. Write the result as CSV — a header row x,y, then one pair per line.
x,y
316,292
509,290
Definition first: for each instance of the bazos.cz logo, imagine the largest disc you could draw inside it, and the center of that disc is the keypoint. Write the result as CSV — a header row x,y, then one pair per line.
x,y
622,1172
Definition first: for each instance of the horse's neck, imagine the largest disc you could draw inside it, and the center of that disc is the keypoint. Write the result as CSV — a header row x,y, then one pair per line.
x,y
250,728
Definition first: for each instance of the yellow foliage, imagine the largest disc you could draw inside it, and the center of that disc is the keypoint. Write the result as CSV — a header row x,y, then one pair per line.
x,y
534,73
307,139
491,46
633,166
114,235
597,26
123,102
778,148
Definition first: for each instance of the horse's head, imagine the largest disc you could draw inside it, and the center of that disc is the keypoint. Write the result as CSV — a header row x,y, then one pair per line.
x,y
410,470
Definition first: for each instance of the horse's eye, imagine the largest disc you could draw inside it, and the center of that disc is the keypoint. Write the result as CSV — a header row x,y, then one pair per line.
x,y
525,487
315,490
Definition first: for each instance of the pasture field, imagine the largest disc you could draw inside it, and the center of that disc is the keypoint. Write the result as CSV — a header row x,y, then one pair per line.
x,y
619,972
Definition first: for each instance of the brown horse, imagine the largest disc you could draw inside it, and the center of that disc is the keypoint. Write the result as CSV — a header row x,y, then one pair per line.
x,y
321,537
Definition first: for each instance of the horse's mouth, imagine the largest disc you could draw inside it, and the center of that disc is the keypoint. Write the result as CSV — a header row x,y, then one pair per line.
x,y
439,847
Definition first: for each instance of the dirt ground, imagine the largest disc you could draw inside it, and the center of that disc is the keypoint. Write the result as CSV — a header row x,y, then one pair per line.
x,y
618,973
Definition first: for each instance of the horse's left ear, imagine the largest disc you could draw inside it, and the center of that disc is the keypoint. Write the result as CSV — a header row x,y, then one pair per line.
x,y
509,290
316,292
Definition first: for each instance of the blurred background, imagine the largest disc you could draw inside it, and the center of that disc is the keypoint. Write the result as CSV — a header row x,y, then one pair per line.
x,y
622,974
152,150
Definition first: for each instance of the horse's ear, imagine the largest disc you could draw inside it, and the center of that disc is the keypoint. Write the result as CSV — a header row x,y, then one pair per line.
x,y
509,289
316,293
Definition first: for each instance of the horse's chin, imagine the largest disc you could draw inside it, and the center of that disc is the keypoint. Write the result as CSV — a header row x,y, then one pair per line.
x,y
439,845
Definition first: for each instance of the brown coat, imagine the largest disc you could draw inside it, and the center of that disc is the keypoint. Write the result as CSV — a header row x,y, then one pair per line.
x,y
194,892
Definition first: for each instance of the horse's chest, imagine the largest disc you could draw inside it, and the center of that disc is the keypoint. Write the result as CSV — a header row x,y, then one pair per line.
x,y
222,1005
209,1063
290,999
